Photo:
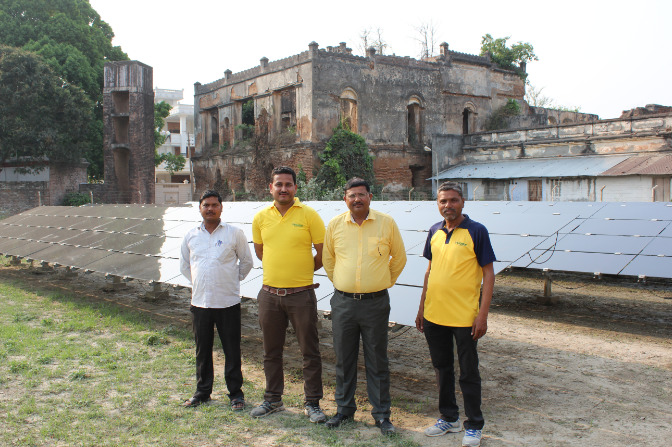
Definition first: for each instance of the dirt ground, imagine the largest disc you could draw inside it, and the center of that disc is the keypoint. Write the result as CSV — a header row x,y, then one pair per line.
x,y
595,368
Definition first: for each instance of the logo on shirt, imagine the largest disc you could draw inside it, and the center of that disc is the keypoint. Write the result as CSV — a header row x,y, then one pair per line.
x,y
298,225
219,243
461,243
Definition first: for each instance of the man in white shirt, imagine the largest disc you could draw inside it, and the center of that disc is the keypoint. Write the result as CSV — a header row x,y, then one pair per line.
x,y
215,257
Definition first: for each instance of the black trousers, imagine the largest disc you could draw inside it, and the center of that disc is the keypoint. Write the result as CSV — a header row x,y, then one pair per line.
x,y
227,321
440,341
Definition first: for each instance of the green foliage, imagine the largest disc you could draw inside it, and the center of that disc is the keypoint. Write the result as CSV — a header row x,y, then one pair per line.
x,y
76,199
248,112
248,131
507,57
314,190
345,156
174,163
71,37
499,118
161,112
41,114
301,175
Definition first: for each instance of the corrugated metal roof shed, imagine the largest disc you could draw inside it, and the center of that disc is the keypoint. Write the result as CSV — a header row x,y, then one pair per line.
x,y
578,166
643,165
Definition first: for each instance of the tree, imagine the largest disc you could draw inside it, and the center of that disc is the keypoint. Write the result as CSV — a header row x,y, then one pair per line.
x,y
75,42
535,98
345,156
373,38
161,112
427,32
41,114
499,119
508,58
174,163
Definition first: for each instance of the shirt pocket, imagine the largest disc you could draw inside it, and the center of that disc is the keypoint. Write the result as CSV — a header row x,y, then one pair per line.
x,y
223,252
378,247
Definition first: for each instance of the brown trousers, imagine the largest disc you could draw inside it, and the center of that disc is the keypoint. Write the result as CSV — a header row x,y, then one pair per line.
x,y
275,312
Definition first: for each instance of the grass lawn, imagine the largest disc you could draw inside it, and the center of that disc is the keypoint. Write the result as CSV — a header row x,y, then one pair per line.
x,y
79,371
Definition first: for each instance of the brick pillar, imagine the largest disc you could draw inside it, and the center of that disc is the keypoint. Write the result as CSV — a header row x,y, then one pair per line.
x,y
128,142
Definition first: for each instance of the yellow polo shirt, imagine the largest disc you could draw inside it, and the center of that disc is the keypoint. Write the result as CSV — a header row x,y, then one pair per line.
x,y
288,244
363,258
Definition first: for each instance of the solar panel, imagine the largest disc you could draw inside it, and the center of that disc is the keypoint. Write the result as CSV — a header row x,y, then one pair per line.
x,y
621,227
603,244
583,262
143,241
71,256
652,266
635,211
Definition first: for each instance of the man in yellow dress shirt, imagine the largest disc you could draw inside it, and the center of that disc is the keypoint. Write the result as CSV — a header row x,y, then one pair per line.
x,y
363,257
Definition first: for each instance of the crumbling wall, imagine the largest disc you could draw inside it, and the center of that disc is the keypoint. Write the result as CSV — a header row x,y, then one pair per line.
x,y
397,104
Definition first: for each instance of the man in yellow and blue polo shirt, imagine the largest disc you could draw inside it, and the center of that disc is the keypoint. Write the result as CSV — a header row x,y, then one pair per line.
x,y
284,235
460,258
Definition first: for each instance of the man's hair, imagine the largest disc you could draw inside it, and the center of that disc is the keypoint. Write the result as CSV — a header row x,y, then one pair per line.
x,y
450,186
210,193
283,170
356,181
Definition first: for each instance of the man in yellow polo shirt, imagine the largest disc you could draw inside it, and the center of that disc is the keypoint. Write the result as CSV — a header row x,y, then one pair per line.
x,y
363,256
284,235
460,257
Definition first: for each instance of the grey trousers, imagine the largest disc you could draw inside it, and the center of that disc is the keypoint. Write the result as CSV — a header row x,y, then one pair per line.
x,y
352,319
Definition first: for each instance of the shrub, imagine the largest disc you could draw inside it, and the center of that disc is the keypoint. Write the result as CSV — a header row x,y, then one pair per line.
x,y
76,199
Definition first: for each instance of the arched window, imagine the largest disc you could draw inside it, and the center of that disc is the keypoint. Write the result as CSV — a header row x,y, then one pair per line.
x,y
348,104
414,128
227,131
468,118
214,128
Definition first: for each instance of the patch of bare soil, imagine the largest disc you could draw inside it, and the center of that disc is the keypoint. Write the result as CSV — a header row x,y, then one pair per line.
x,y
593,369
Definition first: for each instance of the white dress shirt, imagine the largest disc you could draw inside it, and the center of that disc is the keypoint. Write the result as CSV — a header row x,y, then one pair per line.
x,y
215,263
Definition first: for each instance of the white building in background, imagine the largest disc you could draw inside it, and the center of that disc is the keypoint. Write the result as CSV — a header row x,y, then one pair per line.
x,y
179,129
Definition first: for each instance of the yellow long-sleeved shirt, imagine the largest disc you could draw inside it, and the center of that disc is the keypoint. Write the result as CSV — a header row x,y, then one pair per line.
x,y
363,258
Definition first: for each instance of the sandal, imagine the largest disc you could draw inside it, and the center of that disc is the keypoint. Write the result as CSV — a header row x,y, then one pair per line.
x,y
195,402
238,404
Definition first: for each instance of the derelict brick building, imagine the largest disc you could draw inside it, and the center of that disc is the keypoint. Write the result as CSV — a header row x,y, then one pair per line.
x,y
398,104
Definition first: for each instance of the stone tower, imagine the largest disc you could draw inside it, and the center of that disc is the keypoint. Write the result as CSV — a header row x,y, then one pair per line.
x,y
128,120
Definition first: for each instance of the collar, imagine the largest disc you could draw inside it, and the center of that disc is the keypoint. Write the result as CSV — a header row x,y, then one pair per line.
x,y
462,224
348,216
202,226
297,202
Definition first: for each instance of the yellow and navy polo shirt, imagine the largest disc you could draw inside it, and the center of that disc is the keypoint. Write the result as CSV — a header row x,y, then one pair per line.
x,y
288,243
454,283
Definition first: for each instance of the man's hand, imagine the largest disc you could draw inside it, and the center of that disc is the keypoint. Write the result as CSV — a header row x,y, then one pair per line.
x,y
419,320
480,326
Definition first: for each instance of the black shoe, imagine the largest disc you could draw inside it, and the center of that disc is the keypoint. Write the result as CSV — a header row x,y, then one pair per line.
x,y
337,420
386,426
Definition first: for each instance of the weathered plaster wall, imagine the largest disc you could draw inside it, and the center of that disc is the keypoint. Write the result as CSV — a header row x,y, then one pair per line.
x,y
21,192
383,87
635,135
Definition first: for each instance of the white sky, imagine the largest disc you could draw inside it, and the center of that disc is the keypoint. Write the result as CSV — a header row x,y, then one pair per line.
x,y
603,56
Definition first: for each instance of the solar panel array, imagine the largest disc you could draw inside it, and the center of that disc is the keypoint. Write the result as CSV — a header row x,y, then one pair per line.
x,y
143,241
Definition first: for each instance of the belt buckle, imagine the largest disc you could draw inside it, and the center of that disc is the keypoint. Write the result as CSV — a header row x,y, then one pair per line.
x,y
277,292
357,296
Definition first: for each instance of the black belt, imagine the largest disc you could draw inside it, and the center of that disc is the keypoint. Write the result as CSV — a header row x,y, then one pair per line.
x,y
363,296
